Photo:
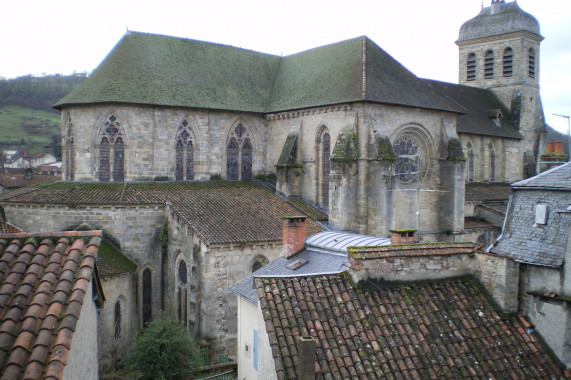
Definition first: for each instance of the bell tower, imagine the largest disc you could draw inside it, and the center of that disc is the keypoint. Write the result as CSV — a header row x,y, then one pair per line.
x,y
499,51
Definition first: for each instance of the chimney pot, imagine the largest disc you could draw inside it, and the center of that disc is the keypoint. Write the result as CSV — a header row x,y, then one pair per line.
x,y
294,230
404,236
550,146
559,146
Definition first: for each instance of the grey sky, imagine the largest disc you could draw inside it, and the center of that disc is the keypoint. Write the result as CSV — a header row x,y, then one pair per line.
x,y
62,36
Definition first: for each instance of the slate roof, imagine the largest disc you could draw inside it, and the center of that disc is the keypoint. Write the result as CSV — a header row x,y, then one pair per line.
x,y
557,178
478,103
324,253
422,330
168,71
527,242
44,278
220,212
482,192
511,18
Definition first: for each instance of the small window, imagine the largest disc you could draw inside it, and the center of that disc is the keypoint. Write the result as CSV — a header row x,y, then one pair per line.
x,y
489,65
182,272
470,166
471,67
508,62
541,212
531,62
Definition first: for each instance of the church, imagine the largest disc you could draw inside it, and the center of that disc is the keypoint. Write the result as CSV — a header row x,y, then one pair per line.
x,y
167,143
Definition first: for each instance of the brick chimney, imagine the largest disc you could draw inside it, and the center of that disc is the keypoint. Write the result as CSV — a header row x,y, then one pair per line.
x,y
559,146
293,234
404,236
306,367
550,146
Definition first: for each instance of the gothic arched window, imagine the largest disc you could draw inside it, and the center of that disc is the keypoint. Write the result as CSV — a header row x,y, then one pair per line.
x,y
325,166
182,292
239,155
470,165
508,62
531,63
147,296
184,152
471,67
492,163
489,65
117,329
69,145
111,152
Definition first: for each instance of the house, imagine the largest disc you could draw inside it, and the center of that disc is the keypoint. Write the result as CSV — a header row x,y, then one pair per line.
x,y
537,235
50,295
332,310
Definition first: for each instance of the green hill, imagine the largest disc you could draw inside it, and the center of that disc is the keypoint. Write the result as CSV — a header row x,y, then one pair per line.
x,y
26,113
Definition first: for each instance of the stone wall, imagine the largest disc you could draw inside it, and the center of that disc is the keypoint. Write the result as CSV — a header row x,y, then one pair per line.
x,y
223,266
149,136
497,273
82,358
120,289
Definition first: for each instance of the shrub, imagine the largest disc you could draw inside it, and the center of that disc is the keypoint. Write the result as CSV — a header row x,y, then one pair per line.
x,y
163,350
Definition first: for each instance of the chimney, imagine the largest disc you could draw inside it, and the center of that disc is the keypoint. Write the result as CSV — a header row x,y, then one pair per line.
x,y
550,146
306,367
559,146
293,235
405,236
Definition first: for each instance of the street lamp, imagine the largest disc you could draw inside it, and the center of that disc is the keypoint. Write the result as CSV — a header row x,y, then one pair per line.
x,y
568,131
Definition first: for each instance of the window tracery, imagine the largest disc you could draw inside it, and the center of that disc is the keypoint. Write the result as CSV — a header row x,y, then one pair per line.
x,y
239,155
111,152
184,152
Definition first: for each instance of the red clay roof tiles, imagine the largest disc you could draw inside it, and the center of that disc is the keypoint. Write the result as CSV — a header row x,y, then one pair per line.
x,y
444,329
37,316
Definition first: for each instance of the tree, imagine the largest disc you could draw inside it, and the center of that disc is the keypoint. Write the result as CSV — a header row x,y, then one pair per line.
x,y
163,350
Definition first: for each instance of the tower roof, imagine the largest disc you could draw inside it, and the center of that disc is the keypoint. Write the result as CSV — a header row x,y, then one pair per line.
x,y
499,18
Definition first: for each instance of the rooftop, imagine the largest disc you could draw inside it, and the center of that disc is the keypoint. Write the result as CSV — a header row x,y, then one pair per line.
x,y
44,278
200,74
443,329
220,212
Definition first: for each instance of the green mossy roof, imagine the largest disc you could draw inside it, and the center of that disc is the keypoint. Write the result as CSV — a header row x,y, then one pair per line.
x,y
167,71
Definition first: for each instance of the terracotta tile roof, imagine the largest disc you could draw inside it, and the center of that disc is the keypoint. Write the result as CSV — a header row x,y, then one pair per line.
x,y
43,282
219,211
423,330
410,250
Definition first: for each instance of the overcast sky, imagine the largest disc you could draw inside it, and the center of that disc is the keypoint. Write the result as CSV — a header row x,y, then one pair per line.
x,y
63,36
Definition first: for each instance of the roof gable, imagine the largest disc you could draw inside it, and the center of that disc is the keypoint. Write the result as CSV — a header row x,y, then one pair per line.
x,y
44,280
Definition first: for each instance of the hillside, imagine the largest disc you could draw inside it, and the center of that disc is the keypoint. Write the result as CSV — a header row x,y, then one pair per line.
x,y
26,113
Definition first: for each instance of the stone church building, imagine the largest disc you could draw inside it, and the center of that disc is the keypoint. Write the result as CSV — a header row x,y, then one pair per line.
x,y
351,136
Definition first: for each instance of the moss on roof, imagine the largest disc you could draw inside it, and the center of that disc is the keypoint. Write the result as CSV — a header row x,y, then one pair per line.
x,y
111,261
167,71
